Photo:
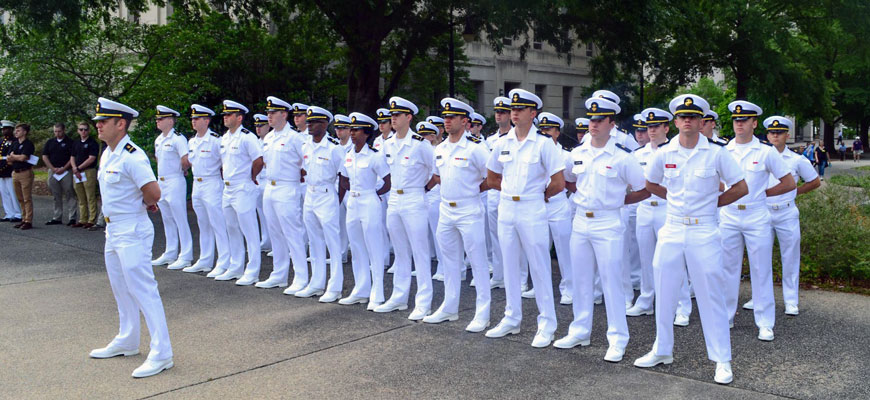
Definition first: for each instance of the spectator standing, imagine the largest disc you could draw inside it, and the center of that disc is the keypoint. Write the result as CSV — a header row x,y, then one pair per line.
x,y
22,174
839,135
857,149
842,152
7,192
84,171
57,156
821,158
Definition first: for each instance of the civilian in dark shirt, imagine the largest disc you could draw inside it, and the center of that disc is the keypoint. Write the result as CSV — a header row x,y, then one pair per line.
x,y
22,174
821,159
57,156
84,168
7,190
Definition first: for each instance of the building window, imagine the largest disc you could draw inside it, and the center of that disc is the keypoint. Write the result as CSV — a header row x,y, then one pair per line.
x,y
589,48
507,42
477,102
508,86
537,45
541,91
567,91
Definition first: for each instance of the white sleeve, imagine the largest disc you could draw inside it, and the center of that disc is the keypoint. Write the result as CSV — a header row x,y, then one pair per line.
x,y
633,173
805,170
550,157
775,164
728,169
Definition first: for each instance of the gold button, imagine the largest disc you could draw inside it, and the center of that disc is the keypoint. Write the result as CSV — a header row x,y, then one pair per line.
x,y
227,183
273,183
654,203
515,198
162,178
199,179
590,214
452,204
741,206
400,191
107,219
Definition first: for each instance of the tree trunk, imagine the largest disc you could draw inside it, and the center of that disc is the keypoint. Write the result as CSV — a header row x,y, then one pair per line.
x,y
863,127
828,136
363,79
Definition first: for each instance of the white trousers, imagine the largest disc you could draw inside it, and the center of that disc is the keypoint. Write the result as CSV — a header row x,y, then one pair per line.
x,y
628,222
342,227
366,236
460,227
387,245
10,202
284,221
265,240
320,213
632,254
559,218
787,228
434,212
751,227
173,212
206,199
698,250
492,199
240,212
408,225
128,264
522,227
597,244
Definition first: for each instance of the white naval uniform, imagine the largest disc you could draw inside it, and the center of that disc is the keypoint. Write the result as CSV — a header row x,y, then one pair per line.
x,y
786,225
690,240
282,204
205,159
365,169
597,238
747,220
433,205
342,217
322,162
559,216
129,236
265,240
168,150
239,150
526,167
411,163
462,168
378,144
651,216
492,199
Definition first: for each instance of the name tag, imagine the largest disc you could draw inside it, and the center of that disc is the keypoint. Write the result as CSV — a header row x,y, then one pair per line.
x,y
670,165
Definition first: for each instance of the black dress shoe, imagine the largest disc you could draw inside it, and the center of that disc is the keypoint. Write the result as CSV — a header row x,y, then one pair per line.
x,y
5,219
53,222
25,226
18,225
71,222
14,219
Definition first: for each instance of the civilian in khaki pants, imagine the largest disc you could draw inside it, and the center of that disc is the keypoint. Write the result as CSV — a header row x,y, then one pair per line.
x,y
84,166
22,174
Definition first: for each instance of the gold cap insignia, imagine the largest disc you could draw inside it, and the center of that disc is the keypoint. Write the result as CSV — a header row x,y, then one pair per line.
x,y
353,119
776,122
738,109
688,101
594,107
516,96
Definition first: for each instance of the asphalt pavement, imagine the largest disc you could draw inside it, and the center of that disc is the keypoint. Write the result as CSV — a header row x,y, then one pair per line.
x,y
243,342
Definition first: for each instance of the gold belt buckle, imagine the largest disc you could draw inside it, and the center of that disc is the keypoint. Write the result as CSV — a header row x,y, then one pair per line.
x,y
162,178
590,214
400,191
227,183
199,179
107,219
741,206
452,204
515,198
654,203
273,183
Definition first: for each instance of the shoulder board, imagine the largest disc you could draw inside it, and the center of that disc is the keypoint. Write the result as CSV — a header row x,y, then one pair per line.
x,y
641,147
719,142
178,133
623,148
502,134
568,148
372,148
129,147
215,134
332,140
543,134
766,142
417,137
245,130
473,139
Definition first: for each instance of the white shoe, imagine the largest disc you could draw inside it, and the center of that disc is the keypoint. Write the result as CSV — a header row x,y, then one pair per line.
x,y
247,281
681,320
329,297
372,305
353,300
566,299
494,284
614,354
271,283
310,259
542,340
265,249
502,330
635,311
730,324
309,292
418,313
765,334
392,269
438,277
477,325
390,306
651,360
228,276
178,264
216,273
472,283
524,287
723,375
269,254
163,259
150,367
413,273
197,267
113,351
598,300
295,287
529,294
791,309
628,304
748,305
570,341
440,316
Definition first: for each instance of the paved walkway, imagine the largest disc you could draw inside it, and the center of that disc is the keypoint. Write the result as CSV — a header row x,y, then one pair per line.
x,y
242,342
